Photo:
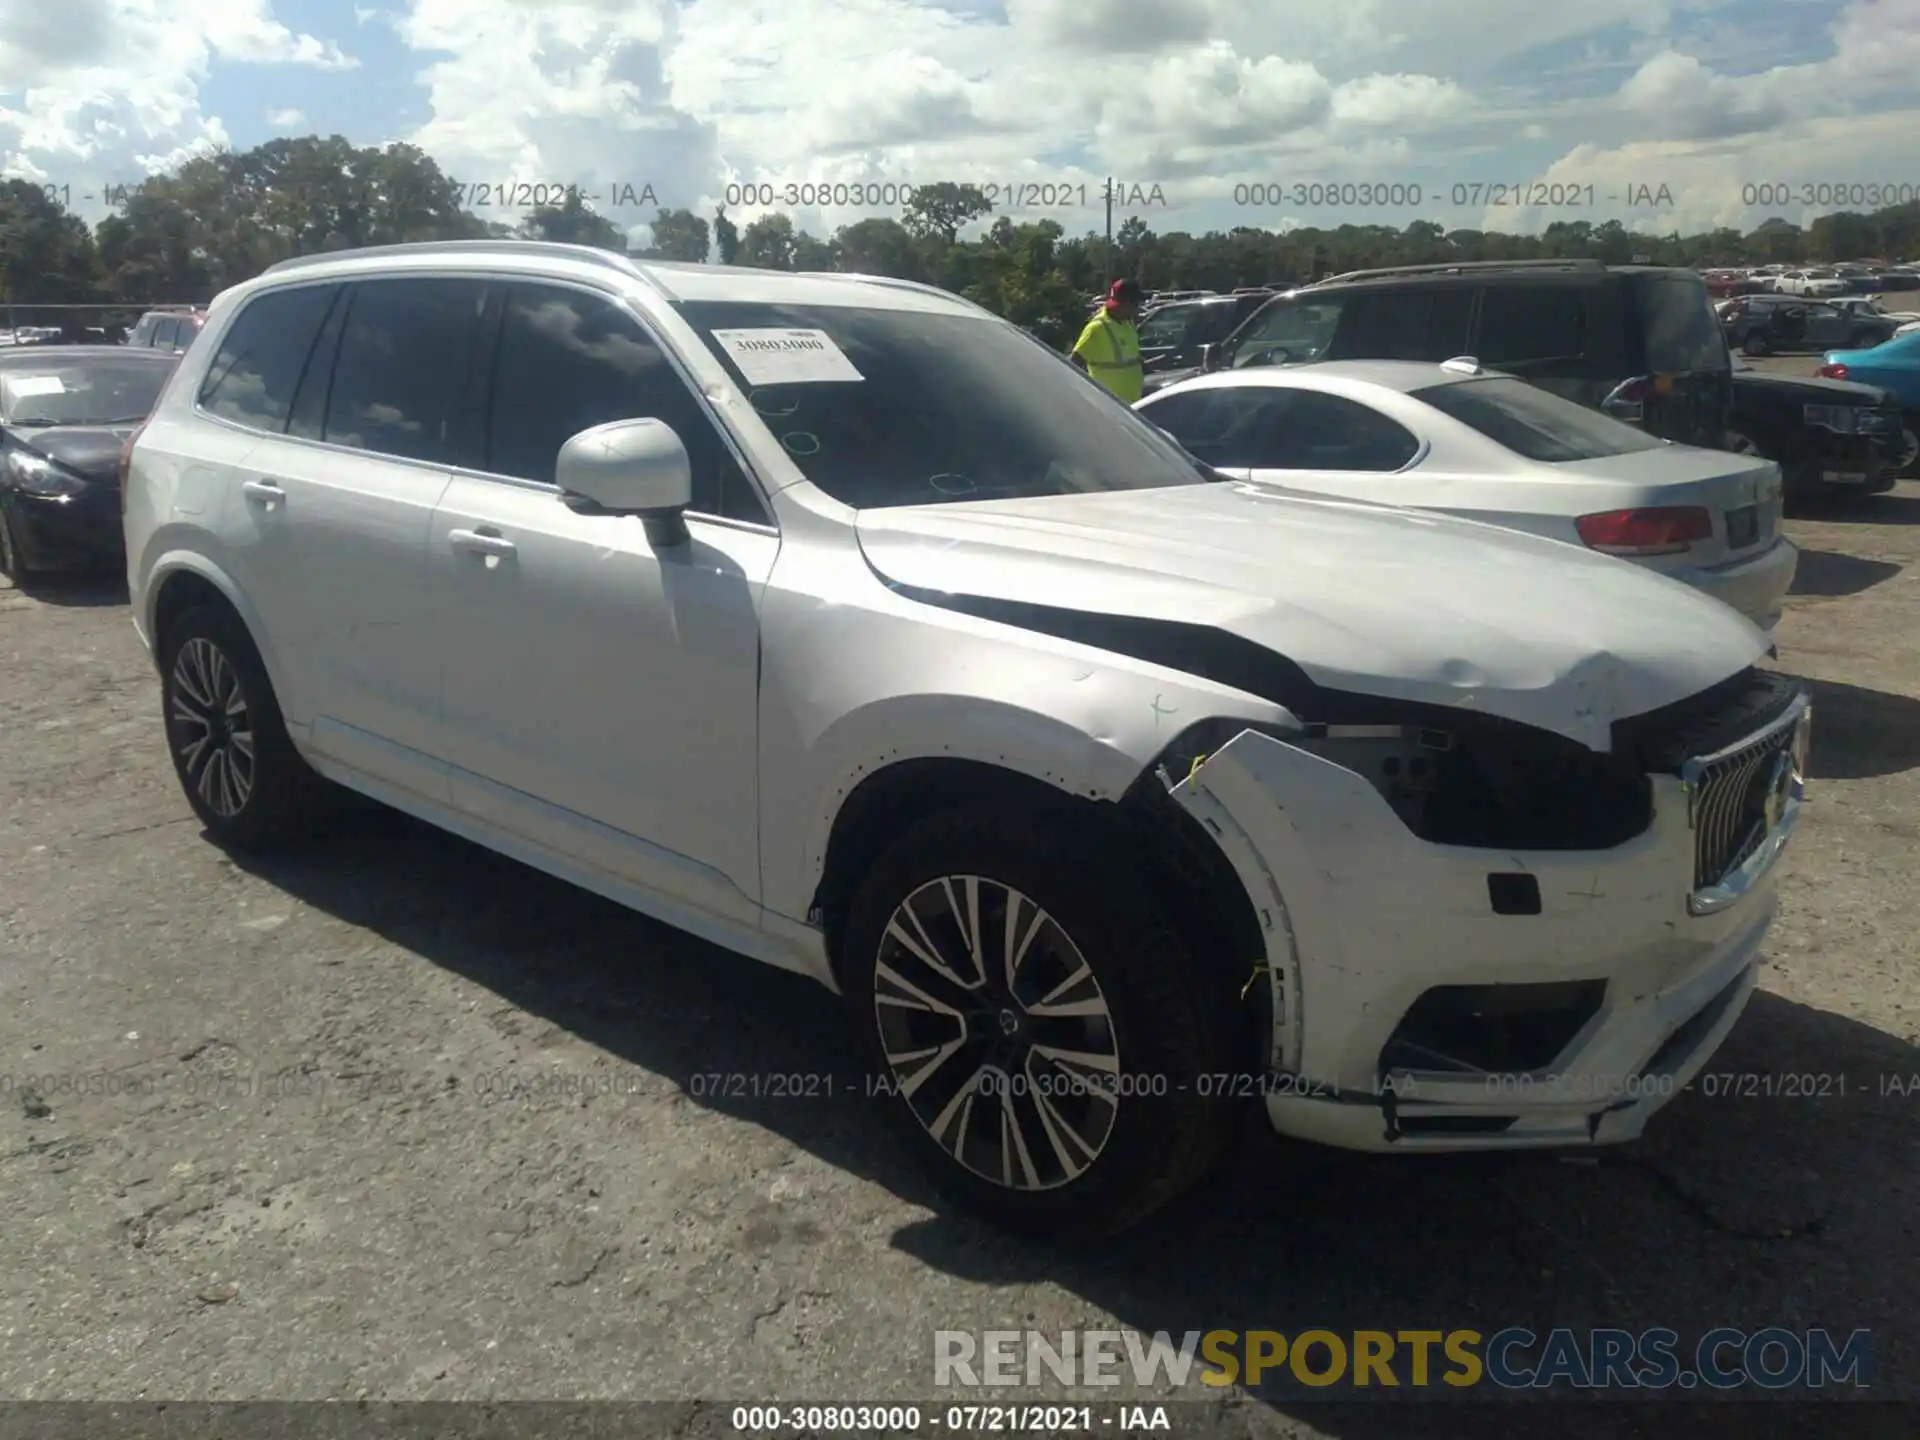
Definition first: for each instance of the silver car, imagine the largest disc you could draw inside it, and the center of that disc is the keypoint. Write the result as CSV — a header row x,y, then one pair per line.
x,y
1484,445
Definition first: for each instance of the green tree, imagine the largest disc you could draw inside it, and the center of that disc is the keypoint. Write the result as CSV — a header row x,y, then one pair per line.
x,y
573,222
879,247
768,243
680,235
942,211
726,236
45,253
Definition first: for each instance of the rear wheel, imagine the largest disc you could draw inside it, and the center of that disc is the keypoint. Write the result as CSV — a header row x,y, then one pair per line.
x,y
1740,443
1863,340
1755,343
1040,1031
230,747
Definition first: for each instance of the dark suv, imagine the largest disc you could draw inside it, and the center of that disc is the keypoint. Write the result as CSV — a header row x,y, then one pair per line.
x,y
1639,342
1171,335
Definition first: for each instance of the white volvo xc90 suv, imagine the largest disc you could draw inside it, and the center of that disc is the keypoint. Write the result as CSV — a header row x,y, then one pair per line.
x,y
835,620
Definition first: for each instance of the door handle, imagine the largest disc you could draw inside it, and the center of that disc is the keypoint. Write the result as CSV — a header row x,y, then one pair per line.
x,y
480,542
265,493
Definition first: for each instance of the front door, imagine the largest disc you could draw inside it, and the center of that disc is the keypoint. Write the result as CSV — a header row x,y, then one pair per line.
x,y
601,694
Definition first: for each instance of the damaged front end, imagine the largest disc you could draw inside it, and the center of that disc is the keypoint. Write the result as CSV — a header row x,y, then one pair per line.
x,y
1478,934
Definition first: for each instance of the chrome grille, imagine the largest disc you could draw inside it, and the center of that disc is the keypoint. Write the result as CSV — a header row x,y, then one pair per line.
x,y
1737,797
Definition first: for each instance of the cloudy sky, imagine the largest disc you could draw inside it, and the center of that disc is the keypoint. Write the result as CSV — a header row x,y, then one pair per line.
x,y
1206,113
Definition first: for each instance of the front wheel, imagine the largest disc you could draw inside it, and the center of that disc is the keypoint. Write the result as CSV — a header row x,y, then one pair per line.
x,y
12,567
1907,462
1053,1051
1754,344
1740,443
229,743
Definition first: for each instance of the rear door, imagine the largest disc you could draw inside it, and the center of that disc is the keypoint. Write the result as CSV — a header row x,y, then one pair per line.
x,y
1565,338
337,511
1683,356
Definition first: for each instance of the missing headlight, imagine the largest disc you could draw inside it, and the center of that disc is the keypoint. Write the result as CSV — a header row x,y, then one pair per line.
x,y
1487,785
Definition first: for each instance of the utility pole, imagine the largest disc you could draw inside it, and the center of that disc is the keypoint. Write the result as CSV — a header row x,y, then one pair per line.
x,y
1111,277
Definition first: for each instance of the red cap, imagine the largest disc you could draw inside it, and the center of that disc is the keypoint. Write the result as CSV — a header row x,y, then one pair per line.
x,y
1122,290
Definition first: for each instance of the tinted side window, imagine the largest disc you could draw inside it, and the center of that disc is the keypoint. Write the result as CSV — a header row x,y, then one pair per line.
x,y
165,333
142,331
1523,325
1227,426
1331,432
569,361
403,356
252,378
1427,324
1676,320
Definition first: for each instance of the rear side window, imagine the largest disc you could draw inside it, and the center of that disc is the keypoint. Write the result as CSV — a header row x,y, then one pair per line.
x,y
401,365
254,374
1417,324
1678,325
1533,325
164,333
1534,424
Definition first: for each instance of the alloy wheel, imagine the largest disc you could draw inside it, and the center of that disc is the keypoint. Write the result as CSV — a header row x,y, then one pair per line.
x,y
1909,451
997,1035
1740,444
212,727
9,562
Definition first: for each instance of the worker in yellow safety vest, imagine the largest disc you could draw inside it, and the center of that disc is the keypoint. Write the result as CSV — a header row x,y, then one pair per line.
x,y
1109,348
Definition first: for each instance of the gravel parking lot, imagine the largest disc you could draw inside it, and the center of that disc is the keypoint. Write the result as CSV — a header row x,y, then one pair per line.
x,y
293,1130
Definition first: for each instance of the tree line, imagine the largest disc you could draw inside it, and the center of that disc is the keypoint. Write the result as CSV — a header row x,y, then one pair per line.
x,y
216,220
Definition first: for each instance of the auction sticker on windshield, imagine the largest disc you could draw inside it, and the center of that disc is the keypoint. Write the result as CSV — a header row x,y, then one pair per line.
x,y
24,385
786,357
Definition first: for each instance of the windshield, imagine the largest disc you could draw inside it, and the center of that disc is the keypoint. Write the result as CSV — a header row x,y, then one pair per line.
x,y
83,392
1287,331
1535,424
886,407
1167,327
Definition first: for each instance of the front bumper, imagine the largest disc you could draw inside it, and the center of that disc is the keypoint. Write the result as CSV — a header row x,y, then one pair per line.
x,y
80,532
1363,919
1756,586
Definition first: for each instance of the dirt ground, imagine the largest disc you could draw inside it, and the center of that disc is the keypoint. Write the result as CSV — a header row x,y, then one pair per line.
x,y
300,1167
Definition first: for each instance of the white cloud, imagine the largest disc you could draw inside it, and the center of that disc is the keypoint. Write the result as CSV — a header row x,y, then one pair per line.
x,y
286,119
98,92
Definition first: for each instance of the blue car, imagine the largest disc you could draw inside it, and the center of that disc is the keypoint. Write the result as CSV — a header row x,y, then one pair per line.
x,y
1894,367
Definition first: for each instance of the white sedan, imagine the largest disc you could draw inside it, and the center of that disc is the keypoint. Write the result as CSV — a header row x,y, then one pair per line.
x,y
1486,446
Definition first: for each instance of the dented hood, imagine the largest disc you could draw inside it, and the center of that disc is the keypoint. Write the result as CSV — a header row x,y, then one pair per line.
x,y
1379,601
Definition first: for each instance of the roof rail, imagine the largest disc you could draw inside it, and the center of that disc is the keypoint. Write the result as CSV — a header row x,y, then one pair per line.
x,y
612,261
1463,267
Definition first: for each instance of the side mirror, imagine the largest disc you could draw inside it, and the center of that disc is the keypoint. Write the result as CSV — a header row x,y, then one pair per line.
x,y
1209,358
630,467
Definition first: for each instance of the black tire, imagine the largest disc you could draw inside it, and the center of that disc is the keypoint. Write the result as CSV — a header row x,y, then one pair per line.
x,y
208,664
1739,442
12,567
1910,444
1160,1127
1755,343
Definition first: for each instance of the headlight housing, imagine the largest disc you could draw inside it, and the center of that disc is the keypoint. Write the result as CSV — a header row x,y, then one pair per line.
x,y
38,475
1841,419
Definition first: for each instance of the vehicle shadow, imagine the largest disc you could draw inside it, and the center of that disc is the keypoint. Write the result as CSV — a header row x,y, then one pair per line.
x,y
1891,508
1779,1193
75,592
1859,734
1831,574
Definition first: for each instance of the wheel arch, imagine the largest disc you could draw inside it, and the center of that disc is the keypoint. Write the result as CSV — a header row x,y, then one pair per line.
x,y
181,580
1190,876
